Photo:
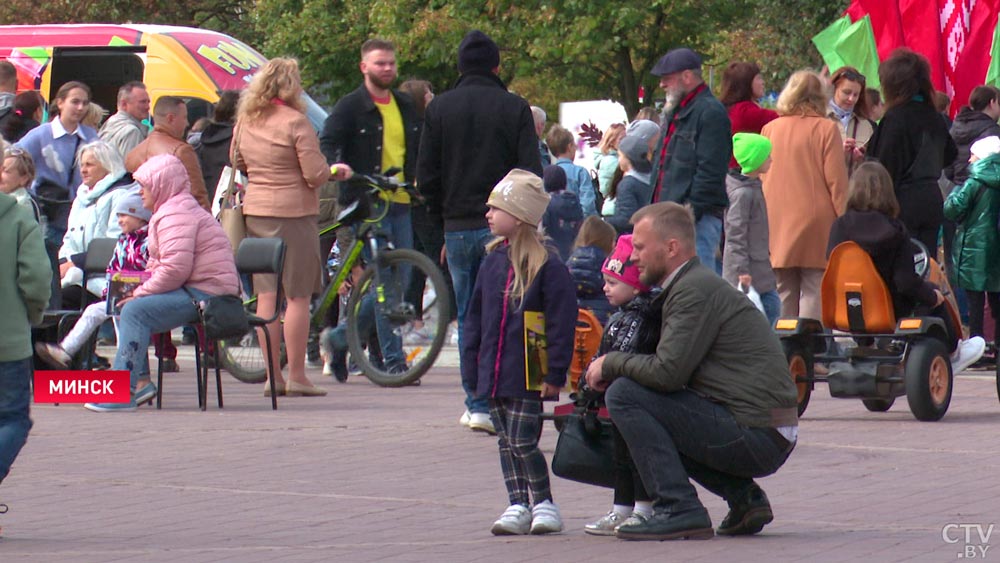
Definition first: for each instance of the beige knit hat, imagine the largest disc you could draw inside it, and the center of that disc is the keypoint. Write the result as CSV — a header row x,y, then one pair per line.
x,y
520,193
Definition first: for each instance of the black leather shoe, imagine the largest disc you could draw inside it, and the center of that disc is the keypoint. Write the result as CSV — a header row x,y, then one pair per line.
x,y
747,515
689,525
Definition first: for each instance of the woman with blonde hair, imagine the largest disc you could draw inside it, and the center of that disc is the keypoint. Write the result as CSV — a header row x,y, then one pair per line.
x,y
606,163
805,191
278,149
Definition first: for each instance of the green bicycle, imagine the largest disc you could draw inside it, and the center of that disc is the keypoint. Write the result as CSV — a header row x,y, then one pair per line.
x,y
380,289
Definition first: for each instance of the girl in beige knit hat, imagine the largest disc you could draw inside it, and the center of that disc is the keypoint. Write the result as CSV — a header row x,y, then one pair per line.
x,y
517,345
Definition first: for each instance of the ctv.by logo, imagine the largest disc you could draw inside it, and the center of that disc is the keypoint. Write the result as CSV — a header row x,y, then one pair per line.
x,y
974,539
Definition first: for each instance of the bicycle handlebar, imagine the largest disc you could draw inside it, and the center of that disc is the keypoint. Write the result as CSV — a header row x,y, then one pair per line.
x,y
387,182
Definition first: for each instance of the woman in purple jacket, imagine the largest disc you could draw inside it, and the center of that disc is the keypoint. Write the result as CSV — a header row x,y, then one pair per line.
x,y
519,276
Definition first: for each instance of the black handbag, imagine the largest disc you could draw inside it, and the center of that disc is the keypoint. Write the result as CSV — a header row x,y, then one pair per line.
x,y
585,451
223,316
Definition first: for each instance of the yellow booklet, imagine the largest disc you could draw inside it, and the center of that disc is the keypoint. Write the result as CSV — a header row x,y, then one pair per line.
x,y
536,361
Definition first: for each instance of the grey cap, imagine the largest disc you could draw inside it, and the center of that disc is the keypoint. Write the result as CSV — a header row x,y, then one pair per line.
x,y
676,61
636,149
643,128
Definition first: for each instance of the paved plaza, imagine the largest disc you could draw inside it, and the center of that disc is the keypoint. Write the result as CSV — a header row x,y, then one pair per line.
x,y
374,474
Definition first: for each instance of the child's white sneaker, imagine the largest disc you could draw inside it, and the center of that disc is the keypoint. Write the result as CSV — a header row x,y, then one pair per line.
x,y
515,521
53,355
545,518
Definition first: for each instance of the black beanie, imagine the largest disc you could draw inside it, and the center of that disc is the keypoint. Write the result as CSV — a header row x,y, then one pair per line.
x,y
554,178
477,52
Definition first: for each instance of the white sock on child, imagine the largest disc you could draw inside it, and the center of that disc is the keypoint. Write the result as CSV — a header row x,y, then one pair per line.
x,y
622,510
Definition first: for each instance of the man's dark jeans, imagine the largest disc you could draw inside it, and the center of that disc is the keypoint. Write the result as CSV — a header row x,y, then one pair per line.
x,y
681,435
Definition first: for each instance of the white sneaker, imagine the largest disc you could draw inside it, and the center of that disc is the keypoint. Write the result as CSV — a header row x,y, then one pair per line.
x,y
967,353
327,369
53,355
606,525
545,518
466,417
480,422
515,521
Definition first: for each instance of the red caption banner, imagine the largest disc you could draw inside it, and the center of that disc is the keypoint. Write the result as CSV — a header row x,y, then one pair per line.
x,y
68,386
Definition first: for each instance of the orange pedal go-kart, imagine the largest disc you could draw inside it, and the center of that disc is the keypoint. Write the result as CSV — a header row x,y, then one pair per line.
x,y
894,356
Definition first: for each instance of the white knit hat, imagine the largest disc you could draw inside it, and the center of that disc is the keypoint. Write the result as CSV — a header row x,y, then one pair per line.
x,y
986,147
521,194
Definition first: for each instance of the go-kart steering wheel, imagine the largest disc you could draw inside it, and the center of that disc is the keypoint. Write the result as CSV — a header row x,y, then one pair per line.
x,y
921,258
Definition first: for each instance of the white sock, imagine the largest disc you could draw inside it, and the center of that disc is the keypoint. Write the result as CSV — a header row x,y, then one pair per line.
x,y
644,507
622,510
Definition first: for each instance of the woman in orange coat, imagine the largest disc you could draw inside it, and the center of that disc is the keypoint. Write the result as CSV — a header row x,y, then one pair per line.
x,y
805,191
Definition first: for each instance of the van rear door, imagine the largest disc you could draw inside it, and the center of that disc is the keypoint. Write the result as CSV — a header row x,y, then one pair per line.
x,y
104,69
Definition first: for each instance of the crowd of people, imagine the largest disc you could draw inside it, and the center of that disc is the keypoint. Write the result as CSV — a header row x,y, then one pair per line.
x,y
686,211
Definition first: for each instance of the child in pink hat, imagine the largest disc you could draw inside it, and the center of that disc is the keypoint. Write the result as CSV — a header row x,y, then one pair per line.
x,y
633,328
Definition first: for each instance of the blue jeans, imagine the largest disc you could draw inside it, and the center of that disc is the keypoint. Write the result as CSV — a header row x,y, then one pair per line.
x,y
772,305
15,398
466,250
398,227
674,437
144,316
708,233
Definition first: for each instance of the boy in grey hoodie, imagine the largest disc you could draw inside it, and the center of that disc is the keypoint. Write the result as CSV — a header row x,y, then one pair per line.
x,y
746,259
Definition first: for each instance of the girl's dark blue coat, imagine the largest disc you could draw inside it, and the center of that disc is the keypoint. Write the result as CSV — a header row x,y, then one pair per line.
x,y
552,293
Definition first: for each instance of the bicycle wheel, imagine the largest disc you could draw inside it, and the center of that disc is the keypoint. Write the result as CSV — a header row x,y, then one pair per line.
x,y
245,360
407,357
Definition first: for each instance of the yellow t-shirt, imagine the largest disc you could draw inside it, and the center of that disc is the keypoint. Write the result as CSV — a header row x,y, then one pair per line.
x,y
393,142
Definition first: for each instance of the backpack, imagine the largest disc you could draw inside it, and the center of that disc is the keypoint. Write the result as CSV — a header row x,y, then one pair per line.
x,y
598,196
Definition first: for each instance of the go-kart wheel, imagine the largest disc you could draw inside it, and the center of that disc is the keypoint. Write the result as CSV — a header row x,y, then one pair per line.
x,y
878,405
929,380
800,364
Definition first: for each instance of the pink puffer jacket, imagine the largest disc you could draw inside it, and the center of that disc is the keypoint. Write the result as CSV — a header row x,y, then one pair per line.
x,y
187,246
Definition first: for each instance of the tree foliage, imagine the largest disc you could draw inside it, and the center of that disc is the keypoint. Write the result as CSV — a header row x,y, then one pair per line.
x,y
227,16
551,50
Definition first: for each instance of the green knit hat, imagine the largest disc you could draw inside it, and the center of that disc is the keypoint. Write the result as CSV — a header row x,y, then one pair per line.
x,y
751,150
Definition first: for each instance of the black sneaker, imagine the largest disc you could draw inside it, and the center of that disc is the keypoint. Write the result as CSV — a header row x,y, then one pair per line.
x,y
689,525
170,365
747,515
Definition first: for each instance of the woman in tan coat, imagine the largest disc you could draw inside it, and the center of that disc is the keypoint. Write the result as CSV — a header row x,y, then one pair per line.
x,y
279,150
805,191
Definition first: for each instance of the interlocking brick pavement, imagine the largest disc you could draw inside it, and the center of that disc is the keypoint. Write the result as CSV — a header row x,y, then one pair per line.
x,y
374,474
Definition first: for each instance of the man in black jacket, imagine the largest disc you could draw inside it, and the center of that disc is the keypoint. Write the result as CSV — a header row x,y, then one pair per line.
x,y
373,129
473,136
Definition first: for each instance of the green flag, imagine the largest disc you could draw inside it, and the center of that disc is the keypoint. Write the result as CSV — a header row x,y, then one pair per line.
x,y
993,73
844,43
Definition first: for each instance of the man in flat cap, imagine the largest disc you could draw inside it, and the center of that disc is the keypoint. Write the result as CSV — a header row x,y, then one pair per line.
x,y
691,157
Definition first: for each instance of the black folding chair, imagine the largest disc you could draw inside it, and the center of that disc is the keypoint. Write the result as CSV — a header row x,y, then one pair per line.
x,y
264,256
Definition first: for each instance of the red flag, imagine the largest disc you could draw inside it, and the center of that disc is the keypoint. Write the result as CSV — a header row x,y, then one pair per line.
x,y
886,24
974,61
922,32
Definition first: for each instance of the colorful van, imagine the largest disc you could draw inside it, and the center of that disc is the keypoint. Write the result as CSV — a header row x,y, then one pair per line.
x,y
193,64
